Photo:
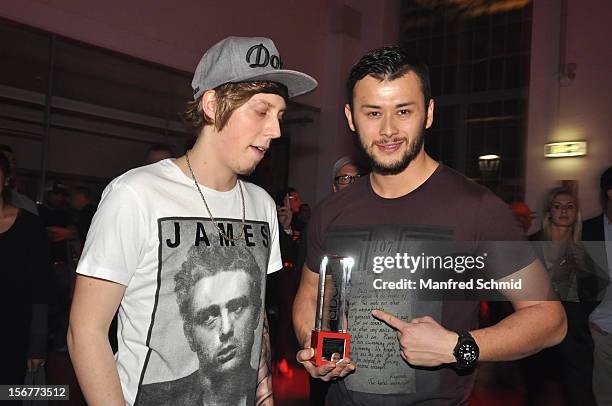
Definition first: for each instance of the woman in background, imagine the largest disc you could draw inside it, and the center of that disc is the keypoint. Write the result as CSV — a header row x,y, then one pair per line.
x,y
568,267
24,277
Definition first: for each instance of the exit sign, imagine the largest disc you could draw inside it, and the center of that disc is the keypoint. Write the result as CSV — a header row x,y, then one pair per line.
x,y
563,149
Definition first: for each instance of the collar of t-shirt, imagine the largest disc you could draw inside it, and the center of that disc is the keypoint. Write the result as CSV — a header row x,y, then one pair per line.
x,y
398,200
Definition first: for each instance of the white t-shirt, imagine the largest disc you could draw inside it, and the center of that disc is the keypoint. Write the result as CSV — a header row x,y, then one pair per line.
x,y
151,225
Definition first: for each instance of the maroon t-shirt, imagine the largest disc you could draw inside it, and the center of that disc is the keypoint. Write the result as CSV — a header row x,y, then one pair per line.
x,y
357,222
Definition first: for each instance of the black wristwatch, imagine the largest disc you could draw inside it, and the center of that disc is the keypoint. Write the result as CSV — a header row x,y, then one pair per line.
x,y
466,351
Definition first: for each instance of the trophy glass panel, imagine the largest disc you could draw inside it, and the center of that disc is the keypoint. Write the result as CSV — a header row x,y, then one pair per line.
x,y
330,338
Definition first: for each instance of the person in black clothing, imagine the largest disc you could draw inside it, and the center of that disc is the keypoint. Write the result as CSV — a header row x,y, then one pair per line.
x,y
23,278
62,234
573,279
282,285
598,231
82,202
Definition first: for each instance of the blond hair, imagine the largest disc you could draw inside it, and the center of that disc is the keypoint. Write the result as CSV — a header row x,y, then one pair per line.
x,y
230,96
546,215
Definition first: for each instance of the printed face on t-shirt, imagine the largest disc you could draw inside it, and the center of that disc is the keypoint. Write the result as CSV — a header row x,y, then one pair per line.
x,y
224,319
390,118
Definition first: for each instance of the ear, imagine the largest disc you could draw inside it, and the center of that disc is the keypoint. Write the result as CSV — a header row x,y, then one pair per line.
x,y
430,113
208,104
349,117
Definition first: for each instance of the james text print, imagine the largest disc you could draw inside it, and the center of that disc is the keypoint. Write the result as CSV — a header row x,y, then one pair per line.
x,y
210,295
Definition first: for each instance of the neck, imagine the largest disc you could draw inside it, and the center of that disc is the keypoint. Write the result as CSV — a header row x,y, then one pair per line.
x,y
6,209
608,211
206,167
561,233
219,387
393,186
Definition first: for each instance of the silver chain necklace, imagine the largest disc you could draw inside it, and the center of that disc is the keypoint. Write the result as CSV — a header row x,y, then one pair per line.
x,y
212,219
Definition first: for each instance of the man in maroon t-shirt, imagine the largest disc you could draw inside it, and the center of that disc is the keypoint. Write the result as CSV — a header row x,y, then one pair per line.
x,y
407,199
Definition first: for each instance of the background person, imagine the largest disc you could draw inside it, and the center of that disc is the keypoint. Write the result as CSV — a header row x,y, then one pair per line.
x,y
344,172
17,199
84,207
24,284
63,249
598,230
574,282
282,286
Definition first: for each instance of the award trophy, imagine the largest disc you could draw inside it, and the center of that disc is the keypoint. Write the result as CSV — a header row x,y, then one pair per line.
x,y
330,337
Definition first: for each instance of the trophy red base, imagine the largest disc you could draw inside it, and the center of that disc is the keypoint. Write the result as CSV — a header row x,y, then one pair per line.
x,y
327,343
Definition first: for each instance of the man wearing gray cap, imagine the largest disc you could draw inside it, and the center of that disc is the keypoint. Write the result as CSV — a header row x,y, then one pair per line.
x,y
152,217
344,172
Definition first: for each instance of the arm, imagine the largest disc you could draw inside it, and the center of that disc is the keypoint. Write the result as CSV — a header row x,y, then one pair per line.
x,y
263,393
304,309
37,347
57,233
94,304
535,325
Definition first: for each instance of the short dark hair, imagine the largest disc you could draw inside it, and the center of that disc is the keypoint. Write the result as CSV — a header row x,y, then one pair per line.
x,y
605,184
230,96
388,63
203,261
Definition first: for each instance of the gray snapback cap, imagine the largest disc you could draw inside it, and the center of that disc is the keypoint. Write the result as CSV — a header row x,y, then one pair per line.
x,y
246,59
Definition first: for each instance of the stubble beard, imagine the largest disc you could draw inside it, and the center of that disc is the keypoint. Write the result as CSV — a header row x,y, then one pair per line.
x,y
393,168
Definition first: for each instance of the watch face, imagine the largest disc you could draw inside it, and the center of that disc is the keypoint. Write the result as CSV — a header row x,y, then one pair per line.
x,y
468,353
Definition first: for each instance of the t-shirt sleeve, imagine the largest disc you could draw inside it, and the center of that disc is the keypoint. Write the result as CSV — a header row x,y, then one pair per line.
x,y
501,238
275,262
315,246
116,237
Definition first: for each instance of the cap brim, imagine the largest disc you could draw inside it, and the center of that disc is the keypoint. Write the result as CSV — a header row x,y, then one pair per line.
x,y
297,83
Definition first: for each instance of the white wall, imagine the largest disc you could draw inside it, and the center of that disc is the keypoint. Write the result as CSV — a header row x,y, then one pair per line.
x,y
175,33
577,110
377,24
320,37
